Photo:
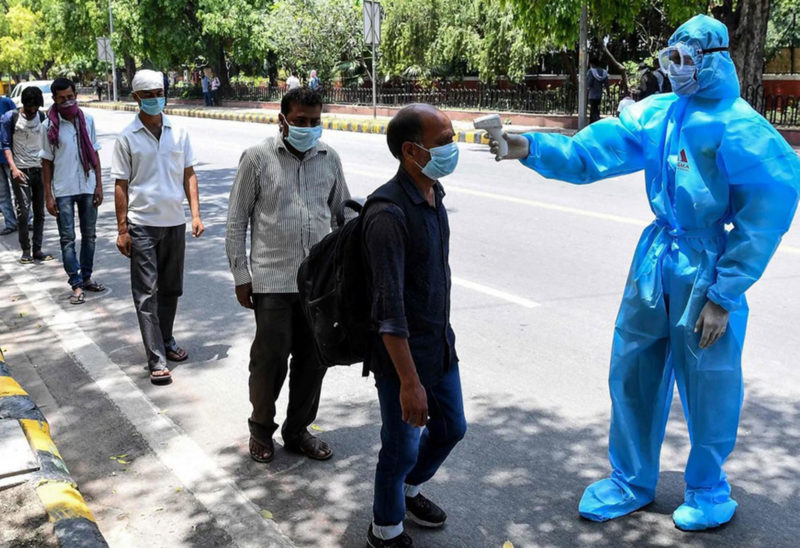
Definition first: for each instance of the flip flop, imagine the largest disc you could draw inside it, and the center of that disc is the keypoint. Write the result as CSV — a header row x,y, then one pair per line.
x,y
91,285
310,446
165,378
80,298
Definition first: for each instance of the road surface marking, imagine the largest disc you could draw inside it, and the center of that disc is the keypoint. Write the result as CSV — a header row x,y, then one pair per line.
x,y
492,292
209,483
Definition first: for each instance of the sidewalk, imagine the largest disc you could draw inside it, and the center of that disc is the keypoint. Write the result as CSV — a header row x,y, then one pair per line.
x,y
31,464
465,132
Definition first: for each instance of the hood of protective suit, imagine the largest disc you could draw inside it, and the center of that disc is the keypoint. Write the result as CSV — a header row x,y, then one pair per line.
x,y
716,73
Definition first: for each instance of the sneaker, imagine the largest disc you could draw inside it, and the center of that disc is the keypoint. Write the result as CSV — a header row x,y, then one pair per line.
x,y
400,541
26,258
423,512
6,231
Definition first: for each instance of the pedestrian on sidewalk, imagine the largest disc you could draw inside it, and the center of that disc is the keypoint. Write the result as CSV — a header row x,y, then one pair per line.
x,y
286,189
596,81
205,83
412,353
314,82
293,82
21,141
215,92
72,178
98,85
153,166
6,203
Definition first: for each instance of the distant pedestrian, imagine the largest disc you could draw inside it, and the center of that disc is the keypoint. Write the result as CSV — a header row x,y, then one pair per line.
x,y
98,86
205,82
652,80
626,100
6,203
215,91
148,195
72,177
286,191
21,140
314,82
596,81
293,82
166,88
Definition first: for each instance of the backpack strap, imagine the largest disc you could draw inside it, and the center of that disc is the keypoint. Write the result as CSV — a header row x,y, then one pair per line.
x,y
14,119
346,204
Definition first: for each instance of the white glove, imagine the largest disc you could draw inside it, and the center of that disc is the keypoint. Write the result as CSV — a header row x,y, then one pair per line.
x,y
518,147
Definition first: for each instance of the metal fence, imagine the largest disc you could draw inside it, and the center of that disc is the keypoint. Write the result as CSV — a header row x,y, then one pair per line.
x,y
779,110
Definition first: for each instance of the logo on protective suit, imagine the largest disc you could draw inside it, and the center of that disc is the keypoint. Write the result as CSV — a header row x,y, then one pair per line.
x,y
683,161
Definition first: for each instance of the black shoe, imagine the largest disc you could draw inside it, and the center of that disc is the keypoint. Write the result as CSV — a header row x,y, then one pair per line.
x,y
400,541
26,258
424,513
6,231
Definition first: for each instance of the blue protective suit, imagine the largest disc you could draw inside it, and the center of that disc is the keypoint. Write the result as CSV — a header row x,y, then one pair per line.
x,y
709,161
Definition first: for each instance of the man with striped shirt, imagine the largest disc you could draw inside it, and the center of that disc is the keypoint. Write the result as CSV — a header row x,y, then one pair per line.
x,y
286,189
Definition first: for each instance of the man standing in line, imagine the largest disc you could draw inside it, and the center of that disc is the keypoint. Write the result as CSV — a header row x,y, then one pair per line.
x,y
153,166
287,190
6,204
21,141
412,353
72,178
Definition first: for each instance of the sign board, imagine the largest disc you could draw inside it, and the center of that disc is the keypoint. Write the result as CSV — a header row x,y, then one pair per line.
x,y
103,49
372,23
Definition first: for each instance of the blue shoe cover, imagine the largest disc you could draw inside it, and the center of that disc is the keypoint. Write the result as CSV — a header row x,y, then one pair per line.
x,y
703,511
610,498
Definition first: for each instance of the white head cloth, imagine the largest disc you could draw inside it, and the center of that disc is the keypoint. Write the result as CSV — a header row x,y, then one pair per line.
x,y
147,80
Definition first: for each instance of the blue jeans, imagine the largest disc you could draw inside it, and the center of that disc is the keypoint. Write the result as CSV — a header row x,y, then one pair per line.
x,y
406,457
6,205
207,98
78,272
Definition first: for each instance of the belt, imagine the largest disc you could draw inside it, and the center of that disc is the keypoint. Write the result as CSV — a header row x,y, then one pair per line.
x,y
29,169
661,245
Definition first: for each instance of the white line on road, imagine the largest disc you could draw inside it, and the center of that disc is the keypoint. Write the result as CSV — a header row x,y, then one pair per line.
x,y
211,485
502,295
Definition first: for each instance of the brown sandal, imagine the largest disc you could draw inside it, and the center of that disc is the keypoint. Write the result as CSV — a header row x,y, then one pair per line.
x,y
261,452
312,447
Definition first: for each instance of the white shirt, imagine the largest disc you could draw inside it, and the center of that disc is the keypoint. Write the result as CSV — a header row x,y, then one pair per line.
x,y
27,142
293,82
154,171
68,176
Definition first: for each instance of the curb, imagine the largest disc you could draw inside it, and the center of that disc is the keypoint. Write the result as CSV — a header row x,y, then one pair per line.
x,y
73,522
335,123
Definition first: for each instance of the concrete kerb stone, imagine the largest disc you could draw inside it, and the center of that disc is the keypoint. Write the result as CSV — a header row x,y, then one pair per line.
x,y
73,522
336,123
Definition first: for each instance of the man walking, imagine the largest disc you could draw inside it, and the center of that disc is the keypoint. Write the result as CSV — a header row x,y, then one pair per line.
x,y
72,178
21,141
596,81
153,166
6,204
287,189
205,83
412,353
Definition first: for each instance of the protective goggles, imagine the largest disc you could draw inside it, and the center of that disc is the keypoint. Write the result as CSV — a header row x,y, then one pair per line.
x,y
681,55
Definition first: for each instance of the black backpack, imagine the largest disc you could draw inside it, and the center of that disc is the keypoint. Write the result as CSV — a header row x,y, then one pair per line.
x,y
333,282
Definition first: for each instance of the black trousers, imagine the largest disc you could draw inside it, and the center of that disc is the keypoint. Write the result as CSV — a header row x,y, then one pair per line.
x,y
594,110
282,331
156,283
27,198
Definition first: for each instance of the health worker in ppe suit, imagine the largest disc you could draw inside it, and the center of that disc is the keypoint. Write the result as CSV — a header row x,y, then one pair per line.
x,y
708,160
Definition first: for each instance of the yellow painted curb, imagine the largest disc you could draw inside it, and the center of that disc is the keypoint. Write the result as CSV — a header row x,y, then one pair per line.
x,y
38,434
10,387
63,501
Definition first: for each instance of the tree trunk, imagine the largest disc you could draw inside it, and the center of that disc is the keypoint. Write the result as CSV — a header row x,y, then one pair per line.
x,y
747,26
619,66
130,67
221,68
46,66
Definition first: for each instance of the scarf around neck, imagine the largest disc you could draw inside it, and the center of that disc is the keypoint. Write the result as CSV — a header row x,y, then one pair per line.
x,y
86,150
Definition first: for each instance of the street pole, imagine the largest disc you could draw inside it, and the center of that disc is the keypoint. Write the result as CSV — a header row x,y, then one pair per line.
x,y
374,85
582,68
113,59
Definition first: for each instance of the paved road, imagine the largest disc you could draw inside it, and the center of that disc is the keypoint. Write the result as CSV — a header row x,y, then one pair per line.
x,y
539,268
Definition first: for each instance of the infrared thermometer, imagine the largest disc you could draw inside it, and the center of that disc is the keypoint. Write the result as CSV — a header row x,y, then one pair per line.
x,y
494,126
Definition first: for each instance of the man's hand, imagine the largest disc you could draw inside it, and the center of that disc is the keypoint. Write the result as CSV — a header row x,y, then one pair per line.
x,y
52,208
98,196
18,177
414,403
244,294
518,147
124,244
197,227
713,322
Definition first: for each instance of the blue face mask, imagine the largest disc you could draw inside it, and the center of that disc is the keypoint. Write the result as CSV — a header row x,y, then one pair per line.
x,y
443,162
153,105
303,138
683,79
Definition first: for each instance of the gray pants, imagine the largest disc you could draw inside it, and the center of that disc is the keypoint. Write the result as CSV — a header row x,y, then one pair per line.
x,y
30,197
156,283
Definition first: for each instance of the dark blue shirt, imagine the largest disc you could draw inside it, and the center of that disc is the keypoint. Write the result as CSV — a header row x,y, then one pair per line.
x,y
6,105
407,245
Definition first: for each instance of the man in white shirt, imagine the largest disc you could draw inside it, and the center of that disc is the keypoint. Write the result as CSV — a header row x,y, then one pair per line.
x,y
293,82
153,166
72,177
21,141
